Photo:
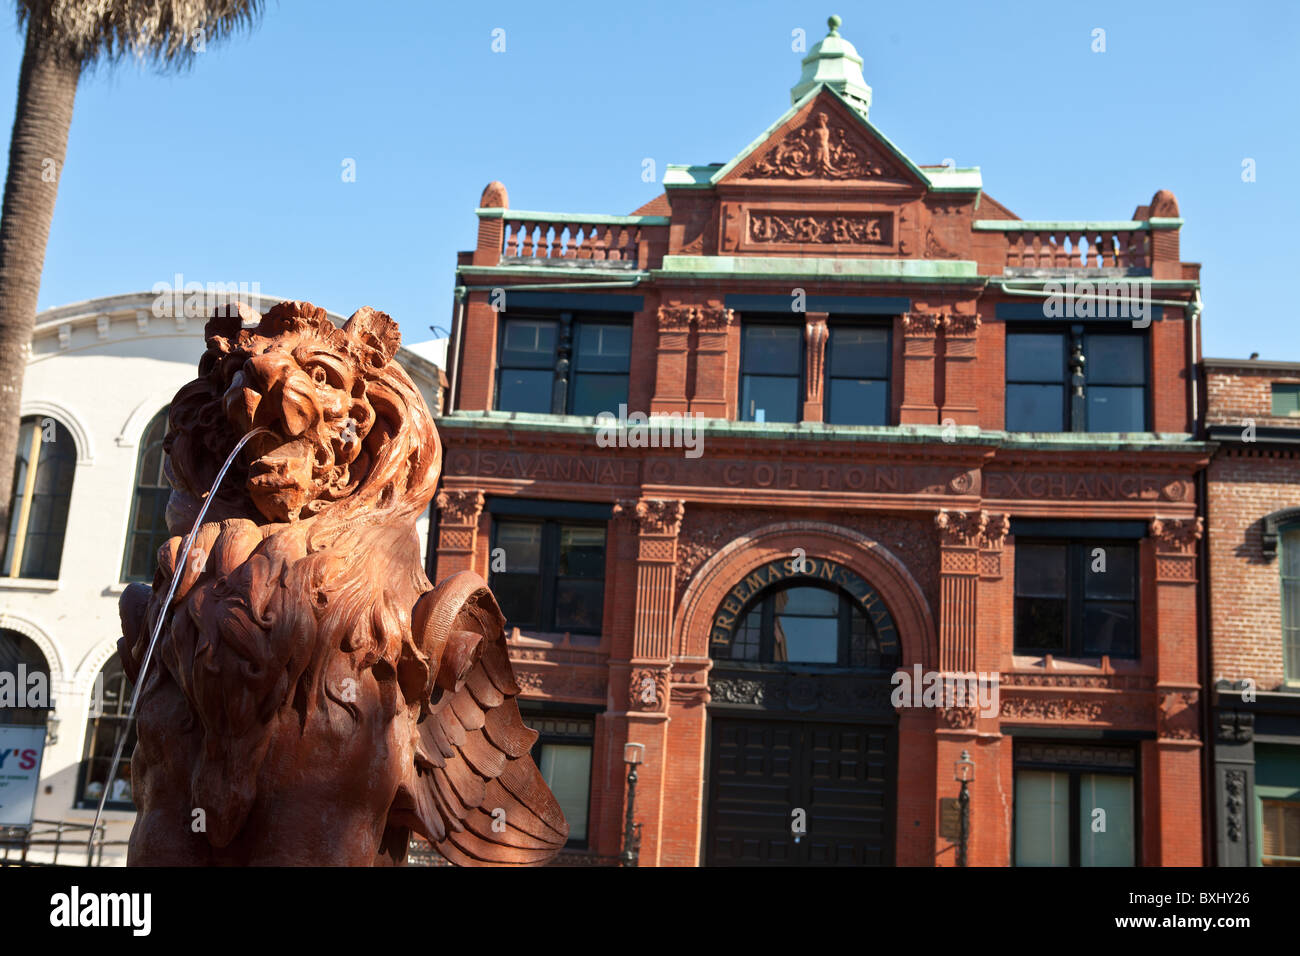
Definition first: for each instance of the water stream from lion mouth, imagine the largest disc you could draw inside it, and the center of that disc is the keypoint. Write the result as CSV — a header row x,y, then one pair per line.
x,y
178,572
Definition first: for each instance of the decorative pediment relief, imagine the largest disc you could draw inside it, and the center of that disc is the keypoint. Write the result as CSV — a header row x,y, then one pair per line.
x,y
823,144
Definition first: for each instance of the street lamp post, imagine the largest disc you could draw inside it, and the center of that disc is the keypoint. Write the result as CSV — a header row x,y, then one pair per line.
x,y
965,773
632,754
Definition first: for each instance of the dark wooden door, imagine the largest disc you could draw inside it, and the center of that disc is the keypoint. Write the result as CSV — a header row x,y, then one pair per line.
x,y
842,775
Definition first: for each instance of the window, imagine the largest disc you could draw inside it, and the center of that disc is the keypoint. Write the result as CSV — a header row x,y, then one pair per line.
x,y
1107,368
1280,827
1286,399
563,754
20,657
1074,806
857,375
1076,599
549,575
562,365
771,380
808,624
148,529
1290,568
42,491
107,725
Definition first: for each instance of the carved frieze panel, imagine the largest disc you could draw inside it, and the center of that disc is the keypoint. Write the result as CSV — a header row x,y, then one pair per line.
x,y
794,227
1084,486
803,693
1136,711
1178,714
822,148
1236,726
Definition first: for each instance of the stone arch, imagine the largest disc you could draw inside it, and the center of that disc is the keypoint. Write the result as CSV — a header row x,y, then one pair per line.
x,y
133,428
10,622
93,663
867,557
66,418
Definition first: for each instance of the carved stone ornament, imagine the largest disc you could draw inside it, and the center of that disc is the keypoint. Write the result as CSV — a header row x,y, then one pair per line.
x,y
1177,534
934,249
311,690
921,323
960,324
647,689
1176,714
972,527
853,229
653,515
460,507
675,318
714,319
817,150
1234,787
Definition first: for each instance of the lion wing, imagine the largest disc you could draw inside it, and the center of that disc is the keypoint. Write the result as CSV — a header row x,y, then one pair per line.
x,y
474,791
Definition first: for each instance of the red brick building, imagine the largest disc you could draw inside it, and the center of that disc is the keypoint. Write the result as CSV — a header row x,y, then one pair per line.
x,y
932,439
1252,411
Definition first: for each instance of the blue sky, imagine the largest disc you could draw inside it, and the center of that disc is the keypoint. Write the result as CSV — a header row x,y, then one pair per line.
x,y
232,171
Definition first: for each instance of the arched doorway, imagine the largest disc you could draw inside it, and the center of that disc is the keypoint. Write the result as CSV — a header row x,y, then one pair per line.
x,y
803,741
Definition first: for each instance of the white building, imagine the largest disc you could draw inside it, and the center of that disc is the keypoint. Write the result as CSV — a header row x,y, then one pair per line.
x,y
87,520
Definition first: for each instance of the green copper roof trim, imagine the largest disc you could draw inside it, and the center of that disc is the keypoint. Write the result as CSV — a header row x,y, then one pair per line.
x,y
768,267
570,217
1066,225
594,271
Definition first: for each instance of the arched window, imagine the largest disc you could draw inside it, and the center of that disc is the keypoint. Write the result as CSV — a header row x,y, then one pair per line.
x,y
22,663
110,703
47,457
808,623
148,529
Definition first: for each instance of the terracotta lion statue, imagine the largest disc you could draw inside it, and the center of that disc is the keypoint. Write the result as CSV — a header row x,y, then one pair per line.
x,y
312,698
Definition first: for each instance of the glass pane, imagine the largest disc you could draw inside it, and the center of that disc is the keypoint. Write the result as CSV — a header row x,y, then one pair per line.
x,y
1109,571
766,398
1042,813
1115,359
595,393
578,605
524,390
1040,570
1035,408
521,546
773,349
1040,624
603,348
1290,540
529,343
858,353
1286,399
858,402
1105,838
1114,408
1109,627
811,601
582,552
567,771
745,645
809,640
1035,357
519,596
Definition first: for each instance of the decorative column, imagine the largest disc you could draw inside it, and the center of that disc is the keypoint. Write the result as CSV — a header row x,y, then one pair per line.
x,y
671,358
959,384
960,534
657,522
815,334
458,519
713,370
919,331
1177,748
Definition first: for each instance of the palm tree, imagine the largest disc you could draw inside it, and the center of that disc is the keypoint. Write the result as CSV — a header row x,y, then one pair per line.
x,y
64,39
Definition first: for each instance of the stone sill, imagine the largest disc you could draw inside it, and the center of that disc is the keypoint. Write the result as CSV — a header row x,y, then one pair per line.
x,y
28,584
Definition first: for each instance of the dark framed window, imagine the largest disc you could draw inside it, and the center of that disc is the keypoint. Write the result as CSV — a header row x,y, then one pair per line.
x,y
857,374
20,655
1083,379
107,725
1075,805
148,529
549,575
771,372
563,364
808,624
563,754
1076,598
1286,399
42,491
1289,567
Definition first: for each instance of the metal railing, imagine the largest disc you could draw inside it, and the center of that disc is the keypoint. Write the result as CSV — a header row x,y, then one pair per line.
x,y
49,838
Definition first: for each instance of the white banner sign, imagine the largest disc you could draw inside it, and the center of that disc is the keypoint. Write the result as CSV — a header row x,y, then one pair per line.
x,y
20,770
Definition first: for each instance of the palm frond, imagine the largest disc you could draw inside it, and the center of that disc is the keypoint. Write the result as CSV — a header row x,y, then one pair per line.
x,y
162,32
